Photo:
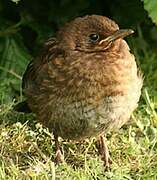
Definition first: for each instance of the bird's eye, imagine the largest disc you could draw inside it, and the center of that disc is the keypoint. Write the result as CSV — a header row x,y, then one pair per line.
x,y
94,37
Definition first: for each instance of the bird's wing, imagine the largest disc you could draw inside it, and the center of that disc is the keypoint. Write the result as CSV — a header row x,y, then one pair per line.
x,y
50,52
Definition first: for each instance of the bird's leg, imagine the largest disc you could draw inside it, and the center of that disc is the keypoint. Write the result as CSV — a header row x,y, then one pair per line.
x,y
58,157
104,152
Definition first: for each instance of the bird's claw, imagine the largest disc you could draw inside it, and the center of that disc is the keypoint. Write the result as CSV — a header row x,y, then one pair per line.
x,y
59,158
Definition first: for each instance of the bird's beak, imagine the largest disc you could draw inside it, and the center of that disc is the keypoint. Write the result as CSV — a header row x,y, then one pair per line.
x,y
117,34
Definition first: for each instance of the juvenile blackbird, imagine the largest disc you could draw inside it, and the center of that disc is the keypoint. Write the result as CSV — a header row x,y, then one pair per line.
x,y
85,82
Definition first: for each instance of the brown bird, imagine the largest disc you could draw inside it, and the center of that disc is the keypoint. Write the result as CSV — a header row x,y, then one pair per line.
x,y
85,82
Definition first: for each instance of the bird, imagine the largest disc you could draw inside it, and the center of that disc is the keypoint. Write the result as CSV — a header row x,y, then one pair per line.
x,y
85,82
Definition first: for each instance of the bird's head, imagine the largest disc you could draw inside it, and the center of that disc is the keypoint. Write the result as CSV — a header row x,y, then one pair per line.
x,y
91,34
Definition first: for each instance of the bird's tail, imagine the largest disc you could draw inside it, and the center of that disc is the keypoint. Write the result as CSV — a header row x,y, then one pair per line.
x,y
22,107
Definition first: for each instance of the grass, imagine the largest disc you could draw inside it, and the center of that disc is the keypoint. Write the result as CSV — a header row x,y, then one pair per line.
x,y
27,149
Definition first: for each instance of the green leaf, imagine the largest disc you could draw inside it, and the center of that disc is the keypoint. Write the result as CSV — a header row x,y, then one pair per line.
x,y
127,13
151,7
15,1
13,60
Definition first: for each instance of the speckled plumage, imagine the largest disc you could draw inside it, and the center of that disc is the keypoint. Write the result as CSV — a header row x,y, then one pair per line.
x,y
80,88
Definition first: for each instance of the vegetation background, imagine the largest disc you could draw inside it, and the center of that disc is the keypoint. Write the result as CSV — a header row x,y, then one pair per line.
x,y
26,149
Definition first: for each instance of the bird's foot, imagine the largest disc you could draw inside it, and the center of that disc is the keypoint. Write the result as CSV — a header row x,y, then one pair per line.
x,y
59,158
104,152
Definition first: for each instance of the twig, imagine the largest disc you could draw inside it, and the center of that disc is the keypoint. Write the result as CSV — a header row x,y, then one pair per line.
x,y
11,72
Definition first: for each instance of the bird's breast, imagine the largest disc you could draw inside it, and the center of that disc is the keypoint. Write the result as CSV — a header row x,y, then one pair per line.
x,y
79,119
